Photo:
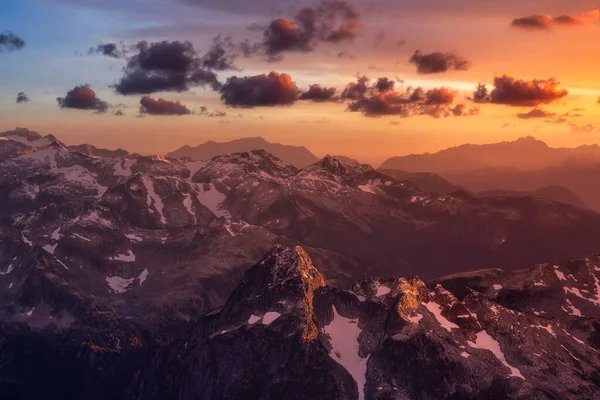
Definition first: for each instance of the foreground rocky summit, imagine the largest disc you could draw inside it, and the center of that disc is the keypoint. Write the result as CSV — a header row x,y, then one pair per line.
x,y
285,334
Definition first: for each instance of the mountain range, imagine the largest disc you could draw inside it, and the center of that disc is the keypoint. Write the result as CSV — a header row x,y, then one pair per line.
x,y
129,276
297,156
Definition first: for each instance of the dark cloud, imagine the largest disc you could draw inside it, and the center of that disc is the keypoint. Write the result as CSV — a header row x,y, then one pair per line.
x,y
440,96
165,67
221,55
481,94
462,110
546,22
583,128
375,101
330,21
536,113
384,84
203,110
345,54
82,98
438,62
10,42
319,93
400,42
112,50
22,97
518,92
152,106
356,90
273,89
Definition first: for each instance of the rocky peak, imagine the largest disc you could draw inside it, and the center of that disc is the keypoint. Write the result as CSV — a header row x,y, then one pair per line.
x,y
284,278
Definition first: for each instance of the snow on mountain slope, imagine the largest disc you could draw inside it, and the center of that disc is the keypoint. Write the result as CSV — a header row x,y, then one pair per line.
x,y
367,346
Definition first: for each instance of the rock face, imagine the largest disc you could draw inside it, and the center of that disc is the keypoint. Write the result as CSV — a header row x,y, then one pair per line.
x,y
297,156
387,338
107,261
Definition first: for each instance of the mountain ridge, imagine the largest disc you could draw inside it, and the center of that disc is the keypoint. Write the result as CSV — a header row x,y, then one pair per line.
x,y
298,156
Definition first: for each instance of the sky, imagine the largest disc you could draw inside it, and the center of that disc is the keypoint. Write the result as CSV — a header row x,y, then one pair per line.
x,y
366,79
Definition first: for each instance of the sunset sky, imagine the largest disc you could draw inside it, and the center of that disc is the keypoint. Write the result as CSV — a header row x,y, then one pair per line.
x,y
513,46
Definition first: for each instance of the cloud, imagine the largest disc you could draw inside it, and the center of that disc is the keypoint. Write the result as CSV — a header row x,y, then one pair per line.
x,y
356,90
221,55
112,50
203,110
536,113
330,21
273,89
583,128
438,62
319,93
440,96
10,42
119,113
152,106
375,101
384,84
165,67
82,98
345,54
546,22
22,97
518,92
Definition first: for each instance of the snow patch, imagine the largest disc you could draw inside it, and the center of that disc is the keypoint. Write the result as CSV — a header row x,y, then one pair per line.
x,y
436,310
253,319
497,287
212,200
559,274
270,317
343,334
50,248
119,285
129,257
367,189
143,276
133,237
485,342
153,199
8,270
56,234
382,290
416,318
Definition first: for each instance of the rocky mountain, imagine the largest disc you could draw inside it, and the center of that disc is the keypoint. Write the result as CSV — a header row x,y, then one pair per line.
x,y
105,261
554,193
524,165
285,333
423,181
482,335
297,156
526,153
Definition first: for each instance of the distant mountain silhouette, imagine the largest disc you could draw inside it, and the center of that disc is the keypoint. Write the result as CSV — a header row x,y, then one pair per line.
x,y
554,193
424,181
526,153
298,156
524,165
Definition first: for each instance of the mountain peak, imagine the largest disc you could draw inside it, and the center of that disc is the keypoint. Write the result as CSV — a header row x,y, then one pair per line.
x,y
285,275
530,140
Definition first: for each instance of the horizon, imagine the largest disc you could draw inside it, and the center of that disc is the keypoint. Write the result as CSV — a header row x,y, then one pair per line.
x,y
376,164
544,70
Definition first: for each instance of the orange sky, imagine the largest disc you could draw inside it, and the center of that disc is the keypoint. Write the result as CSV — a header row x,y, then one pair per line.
x,y
484,37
